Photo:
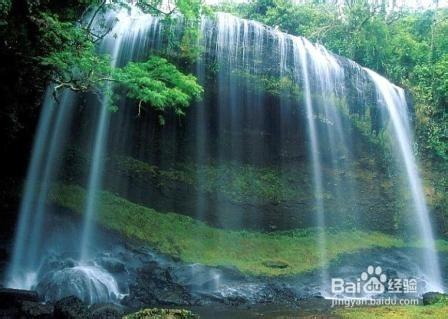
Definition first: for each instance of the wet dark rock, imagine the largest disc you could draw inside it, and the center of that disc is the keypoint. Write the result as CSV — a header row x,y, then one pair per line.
x,y
10,297
112,265
70,308
31,309
155,286
53,263
431,298
235,300
106,311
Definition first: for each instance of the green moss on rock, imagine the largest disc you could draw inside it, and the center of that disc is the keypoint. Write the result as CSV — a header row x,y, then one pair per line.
x,y
194,241
239,183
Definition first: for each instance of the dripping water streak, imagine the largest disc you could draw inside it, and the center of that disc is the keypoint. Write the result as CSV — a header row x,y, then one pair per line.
x,y
129,25
301,65
393,98
43,168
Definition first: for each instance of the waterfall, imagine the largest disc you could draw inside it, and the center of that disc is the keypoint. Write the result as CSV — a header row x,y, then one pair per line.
x,y
301,64
54,126
238,121
112,44
201,128
394,99
50,135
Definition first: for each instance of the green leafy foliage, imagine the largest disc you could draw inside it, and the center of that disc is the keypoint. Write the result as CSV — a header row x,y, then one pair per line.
x,y
76,65
5,7
72,56
190,12
159,84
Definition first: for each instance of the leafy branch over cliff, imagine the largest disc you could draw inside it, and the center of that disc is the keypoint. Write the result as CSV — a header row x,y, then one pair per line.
x,y
76,65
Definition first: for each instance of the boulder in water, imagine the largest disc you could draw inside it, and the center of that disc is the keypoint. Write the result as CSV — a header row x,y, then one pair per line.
x,y
156,286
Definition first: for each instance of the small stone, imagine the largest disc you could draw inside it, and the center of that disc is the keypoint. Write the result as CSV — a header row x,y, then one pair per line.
x,y
278,264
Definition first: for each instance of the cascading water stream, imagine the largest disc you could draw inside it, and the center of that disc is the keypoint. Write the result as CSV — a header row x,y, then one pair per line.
x,y
99,144
201,128
49,171
322,77
93,187
394,99
301,65
50,135
123,43
29,249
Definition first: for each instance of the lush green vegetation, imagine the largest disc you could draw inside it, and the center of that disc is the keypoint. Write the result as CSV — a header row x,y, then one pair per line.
x,y
273,85
66,53
239,183
276,253
75,64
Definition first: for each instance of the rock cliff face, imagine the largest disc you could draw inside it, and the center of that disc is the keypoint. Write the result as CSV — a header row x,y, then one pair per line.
x,y
241,157
245,196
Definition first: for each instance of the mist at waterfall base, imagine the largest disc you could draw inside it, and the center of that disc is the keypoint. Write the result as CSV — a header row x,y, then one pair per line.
x,y
238,122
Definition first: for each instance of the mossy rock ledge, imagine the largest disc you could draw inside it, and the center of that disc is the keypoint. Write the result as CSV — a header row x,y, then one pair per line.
x,y
252,253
